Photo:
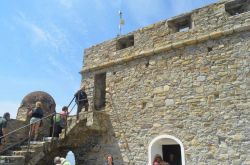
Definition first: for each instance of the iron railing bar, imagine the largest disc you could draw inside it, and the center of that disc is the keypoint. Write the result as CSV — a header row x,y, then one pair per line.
x,y
72,108
20,142
13,145
66,124
71,101
26,125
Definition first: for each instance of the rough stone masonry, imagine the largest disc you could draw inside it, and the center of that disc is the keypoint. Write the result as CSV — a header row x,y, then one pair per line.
x,y
181,82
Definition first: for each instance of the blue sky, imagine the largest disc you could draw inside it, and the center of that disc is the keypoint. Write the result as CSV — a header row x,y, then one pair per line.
x,y
42,41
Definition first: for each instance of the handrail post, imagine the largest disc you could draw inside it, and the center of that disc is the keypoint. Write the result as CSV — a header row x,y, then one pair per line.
x,y
71,101
29,139
66,124
53,125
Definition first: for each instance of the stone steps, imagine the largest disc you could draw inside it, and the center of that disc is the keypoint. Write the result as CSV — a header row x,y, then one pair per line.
x,y
23,153
12,160
19,155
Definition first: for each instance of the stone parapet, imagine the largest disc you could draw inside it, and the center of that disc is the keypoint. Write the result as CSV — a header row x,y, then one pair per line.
x,y
211,19
169,47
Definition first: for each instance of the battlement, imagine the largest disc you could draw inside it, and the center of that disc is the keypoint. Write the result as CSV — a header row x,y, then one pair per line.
x,y
206,23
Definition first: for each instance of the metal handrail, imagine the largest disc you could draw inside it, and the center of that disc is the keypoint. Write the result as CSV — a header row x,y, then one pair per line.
x,y
29,125
72,108
20,128
21,141
71,101
26,125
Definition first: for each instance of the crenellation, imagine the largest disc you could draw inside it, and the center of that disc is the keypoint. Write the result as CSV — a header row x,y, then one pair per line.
x,y
211,20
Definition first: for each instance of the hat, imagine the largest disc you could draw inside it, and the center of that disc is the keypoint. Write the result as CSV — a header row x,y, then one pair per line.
x,y
57,160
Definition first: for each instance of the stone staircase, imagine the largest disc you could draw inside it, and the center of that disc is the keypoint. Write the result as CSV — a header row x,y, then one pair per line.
x,y
87,121
21,155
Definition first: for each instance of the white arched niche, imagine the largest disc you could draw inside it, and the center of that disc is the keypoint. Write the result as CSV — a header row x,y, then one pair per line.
x,y
155,147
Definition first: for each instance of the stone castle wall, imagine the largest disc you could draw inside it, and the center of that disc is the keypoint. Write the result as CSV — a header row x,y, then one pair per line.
x,y
192,85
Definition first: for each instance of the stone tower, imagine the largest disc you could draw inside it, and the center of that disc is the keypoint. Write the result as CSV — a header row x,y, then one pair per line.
x,y
179,88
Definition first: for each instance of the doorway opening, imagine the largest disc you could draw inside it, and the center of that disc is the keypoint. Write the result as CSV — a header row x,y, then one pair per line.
x,y
100,91
172,154
71,158
169,147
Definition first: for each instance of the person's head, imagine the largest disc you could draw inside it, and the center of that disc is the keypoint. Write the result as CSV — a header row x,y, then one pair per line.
x,y
6,116
38,104
65,108
57,160
110,158
156,163
158,158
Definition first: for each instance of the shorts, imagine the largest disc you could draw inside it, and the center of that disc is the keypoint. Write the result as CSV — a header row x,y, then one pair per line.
x,y
35,120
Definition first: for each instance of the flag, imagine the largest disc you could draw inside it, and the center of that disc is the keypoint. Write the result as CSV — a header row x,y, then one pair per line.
x,y
122,22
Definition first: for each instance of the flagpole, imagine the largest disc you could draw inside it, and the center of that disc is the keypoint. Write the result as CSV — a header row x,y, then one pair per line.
x,y
120,25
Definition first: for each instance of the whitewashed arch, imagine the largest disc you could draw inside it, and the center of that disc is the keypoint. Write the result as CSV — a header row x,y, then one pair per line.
x,y
71,157
154,148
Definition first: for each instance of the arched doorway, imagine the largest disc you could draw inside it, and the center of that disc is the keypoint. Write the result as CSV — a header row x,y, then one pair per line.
x,y
169,147
71,158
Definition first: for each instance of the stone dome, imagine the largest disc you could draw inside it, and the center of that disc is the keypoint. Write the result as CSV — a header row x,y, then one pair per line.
x,y
48,104
33,97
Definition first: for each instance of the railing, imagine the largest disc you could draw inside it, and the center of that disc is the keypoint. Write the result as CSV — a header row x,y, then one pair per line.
x,y
25,138
29,125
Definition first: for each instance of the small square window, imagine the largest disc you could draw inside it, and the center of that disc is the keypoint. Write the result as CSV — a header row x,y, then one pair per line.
x,y
237,7
180,24
125,42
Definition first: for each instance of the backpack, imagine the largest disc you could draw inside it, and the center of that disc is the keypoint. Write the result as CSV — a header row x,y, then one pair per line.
x,y
57,118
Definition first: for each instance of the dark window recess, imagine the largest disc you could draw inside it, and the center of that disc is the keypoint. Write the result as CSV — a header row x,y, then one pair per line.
x,y
180,24
100,91
209,49
147,64
125,42
237,7
172,154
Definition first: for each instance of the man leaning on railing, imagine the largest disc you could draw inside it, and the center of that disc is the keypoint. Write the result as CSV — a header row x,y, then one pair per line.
x,y
3,130
81,100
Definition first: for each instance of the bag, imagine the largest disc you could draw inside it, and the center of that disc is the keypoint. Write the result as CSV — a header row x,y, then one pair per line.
x,y
57,118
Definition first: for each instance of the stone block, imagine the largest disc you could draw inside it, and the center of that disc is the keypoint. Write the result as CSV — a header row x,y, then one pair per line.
x,y
202,38
169,102
215,35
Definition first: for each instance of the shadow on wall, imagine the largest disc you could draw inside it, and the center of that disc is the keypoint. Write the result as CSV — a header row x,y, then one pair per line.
x,y
89,146
97,146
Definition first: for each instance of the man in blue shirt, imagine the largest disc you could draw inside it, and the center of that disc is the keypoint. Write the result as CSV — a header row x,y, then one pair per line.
x,y
81,100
